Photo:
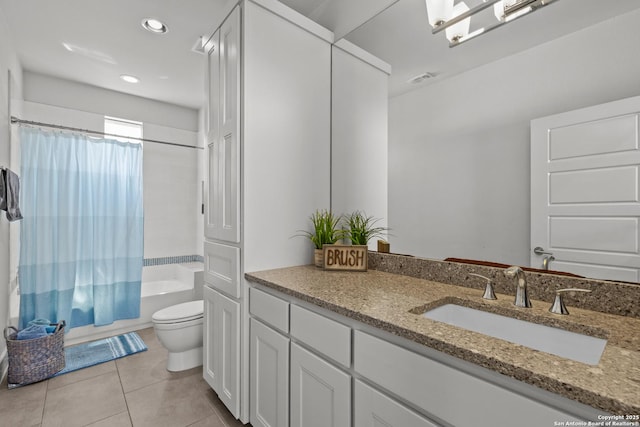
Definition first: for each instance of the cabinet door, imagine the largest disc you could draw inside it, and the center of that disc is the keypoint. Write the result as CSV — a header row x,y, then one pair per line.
x,y
212,214
227,149
227,349
269,373
320,392
209,368
373,409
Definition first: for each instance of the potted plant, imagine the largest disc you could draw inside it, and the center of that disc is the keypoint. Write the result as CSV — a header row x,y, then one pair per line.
x,y
362,228
326,231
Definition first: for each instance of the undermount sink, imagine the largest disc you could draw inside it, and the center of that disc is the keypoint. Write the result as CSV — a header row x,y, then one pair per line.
x,y
570,345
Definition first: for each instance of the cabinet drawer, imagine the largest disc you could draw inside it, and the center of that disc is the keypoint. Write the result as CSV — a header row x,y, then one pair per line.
x,y
222,268
270,309
327,336
374,408
442,391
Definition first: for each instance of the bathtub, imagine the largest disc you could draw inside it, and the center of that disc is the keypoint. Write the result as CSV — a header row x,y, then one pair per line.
x,y
162,286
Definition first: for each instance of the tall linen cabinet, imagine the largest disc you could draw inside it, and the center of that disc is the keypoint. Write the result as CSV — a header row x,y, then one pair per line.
x,y
268,169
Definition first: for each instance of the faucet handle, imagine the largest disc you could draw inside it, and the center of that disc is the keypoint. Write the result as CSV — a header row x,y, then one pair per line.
x,y
558,306
488,291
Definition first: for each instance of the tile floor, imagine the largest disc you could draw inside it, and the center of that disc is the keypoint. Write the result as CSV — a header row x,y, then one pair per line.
x,y
136,391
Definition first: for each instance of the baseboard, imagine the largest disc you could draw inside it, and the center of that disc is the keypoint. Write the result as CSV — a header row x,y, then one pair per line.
x,y
4,365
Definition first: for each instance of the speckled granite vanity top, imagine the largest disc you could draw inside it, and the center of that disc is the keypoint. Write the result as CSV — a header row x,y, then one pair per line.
x,y
395,303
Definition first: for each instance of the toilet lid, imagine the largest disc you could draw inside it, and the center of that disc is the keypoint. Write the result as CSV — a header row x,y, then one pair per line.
x,y
180,312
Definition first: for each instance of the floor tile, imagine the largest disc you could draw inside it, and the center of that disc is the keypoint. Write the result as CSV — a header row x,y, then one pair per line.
x,y
211,421
149,337
119,420
94,396
81,375
84,402
172,403
22,406
143,369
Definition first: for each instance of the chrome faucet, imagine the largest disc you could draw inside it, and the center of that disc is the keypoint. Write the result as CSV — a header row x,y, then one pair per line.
x,y
522,296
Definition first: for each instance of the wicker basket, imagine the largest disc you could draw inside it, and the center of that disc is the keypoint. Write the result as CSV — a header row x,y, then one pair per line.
x,y
36,359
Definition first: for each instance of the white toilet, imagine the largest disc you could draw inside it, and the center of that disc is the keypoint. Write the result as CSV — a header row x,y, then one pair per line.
x,y
179,329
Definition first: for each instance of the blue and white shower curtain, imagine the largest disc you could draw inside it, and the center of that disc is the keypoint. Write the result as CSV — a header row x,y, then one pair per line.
x,y
81,239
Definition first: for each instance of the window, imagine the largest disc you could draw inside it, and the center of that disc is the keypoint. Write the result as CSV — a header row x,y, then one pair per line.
x,y
116,126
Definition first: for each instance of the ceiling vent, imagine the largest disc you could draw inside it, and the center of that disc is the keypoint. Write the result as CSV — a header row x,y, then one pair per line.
x,y
420,78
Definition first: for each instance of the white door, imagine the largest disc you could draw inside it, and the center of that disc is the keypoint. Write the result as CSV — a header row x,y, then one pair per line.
x,y
320,392
585,206
269,377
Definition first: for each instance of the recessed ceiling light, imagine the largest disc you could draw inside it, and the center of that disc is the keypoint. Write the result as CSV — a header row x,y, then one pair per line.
x,y
154,25
129,79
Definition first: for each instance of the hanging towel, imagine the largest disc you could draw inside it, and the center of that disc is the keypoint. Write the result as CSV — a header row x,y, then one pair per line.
x,y
10,194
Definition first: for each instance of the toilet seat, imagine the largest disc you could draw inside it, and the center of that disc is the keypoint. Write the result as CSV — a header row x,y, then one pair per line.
x,y
185,312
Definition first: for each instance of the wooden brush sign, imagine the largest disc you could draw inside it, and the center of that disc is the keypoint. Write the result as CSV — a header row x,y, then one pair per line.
x,y
345,258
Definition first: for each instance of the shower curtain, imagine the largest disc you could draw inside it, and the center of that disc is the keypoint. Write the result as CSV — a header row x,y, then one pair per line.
x,y
81,239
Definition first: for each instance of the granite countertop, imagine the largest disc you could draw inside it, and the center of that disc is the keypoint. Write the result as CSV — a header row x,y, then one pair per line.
x,y
394,303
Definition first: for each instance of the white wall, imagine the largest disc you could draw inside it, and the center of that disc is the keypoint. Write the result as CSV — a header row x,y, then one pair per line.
x,y
170,174
359,135
8,63
459,149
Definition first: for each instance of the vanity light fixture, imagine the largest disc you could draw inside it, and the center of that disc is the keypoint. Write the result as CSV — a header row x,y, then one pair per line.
x,y
129,79
456,18
154,25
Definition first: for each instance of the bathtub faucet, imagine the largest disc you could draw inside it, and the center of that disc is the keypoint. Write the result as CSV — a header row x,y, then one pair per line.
x,y
522,296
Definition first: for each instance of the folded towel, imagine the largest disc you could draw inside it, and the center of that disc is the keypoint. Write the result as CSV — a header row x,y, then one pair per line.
x,y
45,322
10,195
31,332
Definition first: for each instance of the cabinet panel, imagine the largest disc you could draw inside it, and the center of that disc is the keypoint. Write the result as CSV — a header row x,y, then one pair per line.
x,y
320,392
374,409
209,368
227,319
222,268
213,87
269,377
442,390
323,334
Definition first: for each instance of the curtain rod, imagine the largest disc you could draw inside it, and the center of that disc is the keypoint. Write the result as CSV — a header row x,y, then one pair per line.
x,y
49,125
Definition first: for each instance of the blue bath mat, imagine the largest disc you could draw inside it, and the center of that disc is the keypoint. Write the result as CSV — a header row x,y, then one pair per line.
x,y
95,352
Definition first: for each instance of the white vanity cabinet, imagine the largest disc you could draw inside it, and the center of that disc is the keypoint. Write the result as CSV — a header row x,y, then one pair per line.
x,y
268,168
343,372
